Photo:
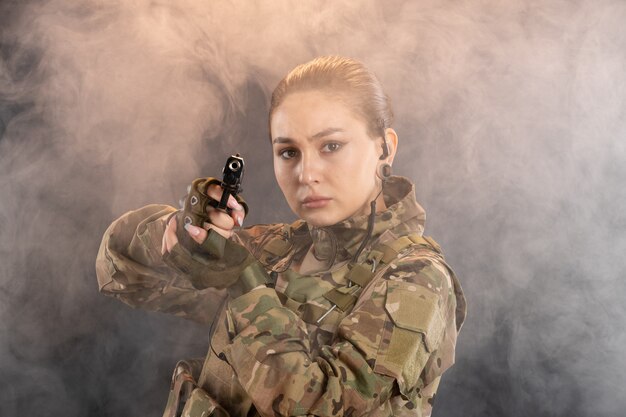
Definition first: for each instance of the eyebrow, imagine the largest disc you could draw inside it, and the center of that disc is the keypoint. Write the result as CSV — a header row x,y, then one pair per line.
x,y
325,132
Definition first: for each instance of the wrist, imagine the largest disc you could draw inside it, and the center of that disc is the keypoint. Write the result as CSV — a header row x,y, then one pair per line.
x,y
252,277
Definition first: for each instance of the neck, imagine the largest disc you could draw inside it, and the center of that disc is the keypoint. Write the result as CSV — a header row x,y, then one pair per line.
x,y
339,242
380,203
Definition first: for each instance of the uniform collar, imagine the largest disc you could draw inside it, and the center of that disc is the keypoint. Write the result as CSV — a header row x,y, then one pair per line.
x,y
403,215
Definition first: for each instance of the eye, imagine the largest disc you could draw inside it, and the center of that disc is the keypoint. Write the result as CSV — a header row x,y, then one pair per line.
x,y
287,153
332,147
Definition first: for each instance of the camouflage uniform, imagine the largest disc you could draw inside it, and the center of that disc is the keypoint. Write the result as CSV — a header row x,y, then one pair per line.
x,y
279,349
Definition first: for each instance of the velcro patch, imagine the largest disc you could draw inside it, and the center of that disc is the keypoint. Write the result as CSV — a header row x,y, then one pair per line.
x,y
416,308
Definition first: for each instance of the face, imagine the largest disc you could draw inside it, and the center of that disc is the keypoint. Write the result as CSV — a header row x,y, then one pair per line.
x,y
324,159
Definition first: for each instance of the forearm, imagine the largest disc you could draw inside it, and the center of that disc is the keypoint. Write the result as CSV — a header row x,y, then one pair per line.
x,y
129,267
128,259
271,356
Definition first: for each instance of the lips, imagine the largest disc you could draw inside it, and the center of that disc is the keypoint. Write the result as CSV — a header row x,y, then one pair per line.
x,y
315,201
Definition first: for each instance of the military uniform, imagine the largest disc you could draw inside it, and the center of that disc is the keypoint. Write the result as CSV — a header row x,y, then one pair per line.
x,y
370,337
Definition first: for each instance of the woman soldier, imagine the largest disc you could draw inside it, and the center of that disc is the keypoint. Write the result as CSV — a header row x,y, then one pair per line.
x,y
348,311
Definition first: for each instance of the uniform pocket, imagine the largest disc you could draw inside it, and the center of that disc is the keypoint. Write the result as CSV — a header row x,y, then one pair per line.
x,y
413,331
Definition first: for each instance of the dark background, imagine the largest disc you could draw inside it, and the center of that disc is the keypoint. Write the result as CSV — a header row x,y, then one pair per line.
x,y
512,123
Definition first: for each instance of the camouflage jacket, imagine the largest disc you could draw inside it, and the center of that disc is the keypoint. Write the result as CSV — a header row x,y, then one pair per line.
x,y
279,349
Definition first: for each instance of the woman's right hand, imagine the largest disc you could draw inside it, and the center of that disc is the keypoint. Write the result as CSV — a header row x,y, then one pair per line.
x,y
220,221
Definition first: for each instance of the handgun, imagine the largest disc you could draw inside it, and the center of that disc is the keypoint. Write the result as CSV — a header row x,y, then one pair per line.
x,y
231,180
197,203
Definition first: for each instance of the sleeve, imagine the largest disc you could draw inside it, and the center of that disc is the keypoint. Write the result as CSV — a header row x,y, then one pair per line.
x,y
129,267
380,356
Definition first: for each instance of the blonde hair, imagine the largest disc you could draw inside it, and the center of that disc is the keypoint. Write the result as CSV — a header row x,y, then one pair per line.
x,y
346,78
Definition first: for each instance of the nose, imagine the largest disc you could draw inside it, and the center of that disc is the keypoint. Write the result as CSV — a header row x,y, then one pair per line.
x,y
310,168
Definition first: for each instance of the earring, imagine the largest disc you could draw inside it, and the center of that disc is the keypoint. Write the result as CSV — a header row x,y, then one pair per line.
x,y
384,171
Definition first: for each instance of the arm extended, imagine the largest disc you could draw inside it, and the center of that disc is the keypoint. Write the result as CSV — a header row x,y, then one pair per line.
x,y
129,267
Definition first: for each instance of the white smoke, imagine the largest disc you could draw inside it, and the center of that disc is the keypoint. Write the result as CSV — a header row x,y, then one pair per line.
x,y
512,123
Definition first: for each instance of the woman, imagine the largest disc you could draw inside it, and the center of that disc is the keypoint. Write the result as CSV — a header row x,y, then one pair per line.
x,y
347,311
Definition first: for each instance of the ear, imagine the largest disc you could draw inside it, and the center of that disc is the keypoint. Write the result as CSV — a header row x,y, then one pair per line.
x,y
392,144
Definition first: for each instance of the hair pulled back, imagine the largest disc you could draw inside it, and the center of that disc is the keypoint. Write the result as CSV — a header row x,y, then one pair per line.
x,y
346,78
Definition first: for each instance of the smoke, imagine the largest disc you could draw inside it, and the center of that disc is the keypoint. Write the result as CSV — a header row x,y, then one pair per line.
x,y
512,123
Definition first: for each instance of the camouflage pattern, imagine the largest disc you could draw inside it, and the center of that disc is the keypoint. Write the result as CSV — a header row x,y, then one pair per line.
x,y
383,356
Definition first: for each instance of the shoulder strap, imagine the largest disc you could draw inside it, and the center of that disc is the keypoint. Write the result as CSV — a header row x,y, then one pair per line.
x,y
377,260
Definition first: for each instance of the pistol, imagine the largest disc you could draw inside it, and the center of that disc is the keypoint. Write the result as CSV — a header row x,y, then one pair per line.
x,y
231,180
196,204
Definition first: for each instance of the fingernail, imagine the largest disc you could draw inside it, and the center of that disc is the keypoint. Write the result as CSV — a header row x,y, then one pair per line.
x,y
239,221
234,204
192,229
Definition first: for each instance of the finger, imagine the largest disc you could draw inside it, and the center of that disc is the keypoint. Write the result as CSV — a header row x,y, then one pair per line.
x,y
225,233
196,233
169,236
215,192
221,220
234,204
172,223
199,235
163,244
238,213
